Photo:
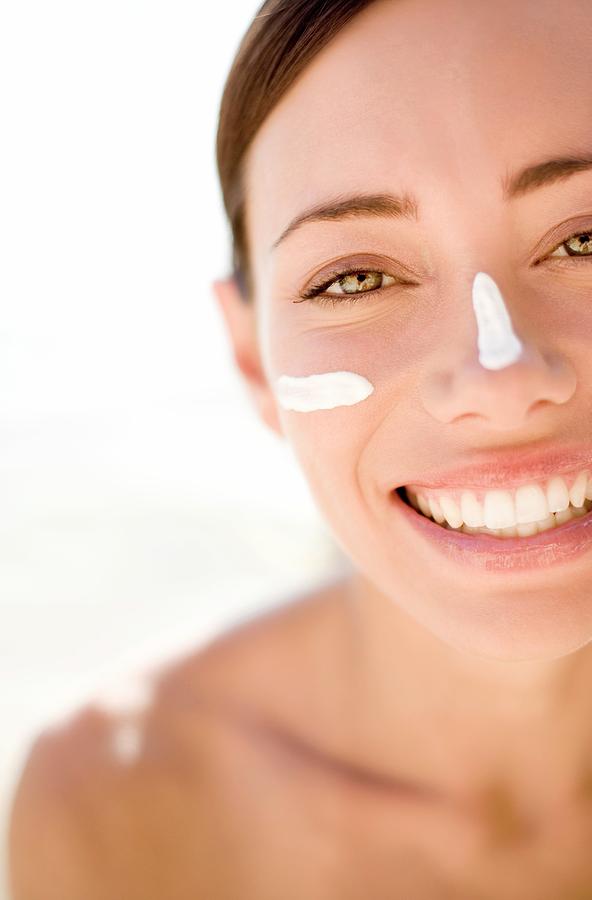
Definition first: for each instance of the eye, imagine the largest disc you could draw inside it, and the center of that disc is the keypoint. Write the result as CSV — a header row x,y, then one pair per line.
x,y
359,282
346,286
579,244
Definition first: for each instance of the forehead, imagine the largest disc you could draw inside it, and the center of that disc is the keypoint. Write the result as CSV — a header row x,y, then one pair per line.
x,y
428,96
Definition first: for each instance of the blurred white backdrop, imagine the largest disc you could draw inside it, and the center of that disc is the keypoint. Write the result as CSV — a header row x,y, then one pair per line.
x,y
143,506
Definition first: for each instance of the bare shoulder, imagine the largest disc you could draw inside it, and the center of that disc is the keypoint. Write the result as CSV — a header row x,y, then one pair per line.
x,y
97,797
142,799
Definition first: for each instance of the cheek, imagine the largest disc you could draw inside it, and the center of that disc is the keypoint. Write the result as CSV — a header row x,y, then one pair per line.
x,y
329,446
326,396
380,346
340,387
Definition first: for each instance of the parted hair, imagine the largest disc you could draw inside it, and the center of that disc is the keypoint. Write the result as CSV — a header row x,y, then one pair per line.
x,y
284,36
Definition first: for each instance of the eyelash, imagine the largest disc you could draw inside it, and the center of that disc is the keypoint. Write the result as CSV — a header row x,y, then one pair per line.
x,y
315,295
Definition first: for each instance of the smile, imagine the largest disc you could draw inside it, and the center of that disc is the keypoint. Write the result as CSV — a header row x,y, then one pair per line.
x,y
526,529
515,512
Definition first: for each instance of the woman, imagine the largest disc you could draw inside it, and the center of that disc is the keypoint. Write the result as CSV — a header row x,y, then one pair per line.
x,y
409,184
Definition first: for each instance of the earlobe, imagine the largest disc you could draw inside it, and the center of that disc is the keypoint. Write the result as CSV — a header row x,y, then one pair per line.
x,y
239,317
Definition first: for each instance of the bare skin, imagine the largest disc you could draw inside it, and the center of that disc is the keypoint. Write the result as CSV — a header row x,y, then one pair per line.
x,y
420,730
255,779
443,105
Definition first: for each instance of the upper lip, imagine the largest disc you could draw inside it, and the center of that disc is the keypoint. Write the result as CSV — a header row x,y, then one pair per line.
x,y
509,469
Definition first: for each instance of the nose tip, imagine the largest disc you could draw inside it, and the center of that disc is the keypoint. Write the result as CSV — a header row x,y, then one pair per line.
x,y
498,345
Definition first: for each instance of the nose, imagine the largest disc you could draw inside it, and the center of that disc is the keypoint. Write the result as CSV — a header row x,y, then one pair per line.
x,y
503,377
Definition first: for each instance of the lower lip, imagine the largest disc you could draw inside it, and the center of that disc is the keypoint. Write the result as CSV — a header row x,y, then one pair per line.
x,y
504,554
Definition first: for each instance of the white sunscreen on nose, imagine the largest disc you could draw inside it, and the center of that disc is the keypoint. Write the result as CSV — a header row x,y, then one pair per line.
x,y
498,345
325,391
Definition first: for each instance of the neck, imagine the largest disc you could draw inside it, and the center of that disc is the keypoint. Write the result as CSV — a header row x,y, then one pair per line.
x,y
461,716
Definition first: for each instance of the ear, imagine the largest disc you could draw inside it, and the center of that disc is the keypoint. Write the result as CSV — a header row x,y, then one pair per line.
x,y
239,316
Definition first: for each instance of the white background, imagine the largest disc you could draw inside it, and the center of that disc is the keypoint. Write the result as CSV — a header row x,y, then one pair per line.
x,y
142,505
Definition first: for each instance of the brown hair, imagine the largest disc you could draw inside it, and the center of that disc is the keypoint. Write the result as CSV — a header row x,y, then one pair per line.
x,y
282,39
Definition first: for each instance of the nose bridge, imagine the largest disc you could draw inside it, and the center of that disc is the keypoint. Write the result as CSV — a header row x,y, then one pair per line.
x,y
498,345
503,375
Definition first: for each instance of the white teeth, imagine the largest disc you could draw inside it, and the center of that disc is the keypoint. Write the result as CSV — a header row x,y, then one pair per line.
x,y
557,495
547,523
526,529
424,505
577,492
531,504
523,512
451,512
436,509
565,515
471,510
469,529
498,509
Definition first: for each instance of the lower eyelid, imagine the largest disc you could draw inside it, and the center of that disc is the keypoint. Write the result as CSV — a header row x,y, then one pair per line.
x,y
337,299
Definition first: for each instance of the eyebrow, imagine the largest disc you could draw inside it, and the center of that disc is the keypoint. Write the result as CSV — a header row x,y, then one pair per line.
x,y
406,206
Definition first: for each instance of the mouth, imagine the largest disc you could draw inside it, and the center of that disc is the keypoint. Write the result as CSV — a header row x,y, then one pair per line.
x,y
531,537
552,521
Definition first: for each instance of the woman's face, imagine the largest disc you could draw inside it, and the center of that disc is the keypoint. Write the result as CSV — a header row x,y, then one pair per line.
x,y
441,103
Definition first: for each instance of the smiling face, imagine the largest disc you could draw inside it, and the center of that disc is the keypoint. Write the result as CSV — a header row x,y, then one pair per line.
x,y
432,113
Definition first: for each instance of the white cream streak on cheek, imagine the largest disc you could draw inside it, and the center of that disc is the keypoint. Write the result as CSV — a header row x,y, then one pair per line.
x,y
325,391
